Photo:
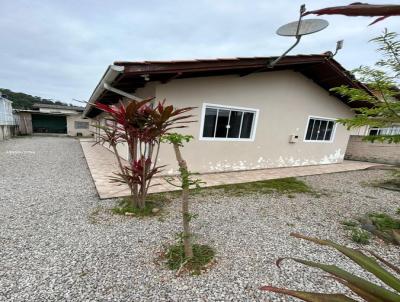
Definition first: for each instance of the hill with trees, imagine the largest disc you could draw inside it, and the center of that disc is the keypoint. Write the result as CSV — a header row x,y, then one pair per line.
x,y
25,101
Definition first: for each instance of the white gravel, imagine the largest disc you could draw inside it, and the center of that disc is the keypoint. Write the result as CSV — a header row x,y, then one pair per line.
x,y
60,243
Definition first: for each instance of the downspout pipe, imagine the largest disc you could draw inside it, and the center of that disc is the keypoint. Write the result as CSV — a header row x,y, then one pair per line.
x,y
112,72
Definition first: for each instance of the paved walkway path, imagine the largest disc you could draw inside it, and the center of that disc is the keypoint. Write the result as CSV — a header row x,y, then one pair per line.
x,y
102,164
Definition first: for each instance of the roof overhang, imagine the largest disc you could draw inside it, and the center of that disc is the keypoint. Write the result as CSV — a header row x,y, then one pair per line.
x,y
129,76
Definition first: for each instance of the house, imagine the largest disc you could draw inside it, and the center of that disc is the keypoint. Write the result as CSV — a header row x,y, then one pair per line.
x,y
7,123
53,119
249,116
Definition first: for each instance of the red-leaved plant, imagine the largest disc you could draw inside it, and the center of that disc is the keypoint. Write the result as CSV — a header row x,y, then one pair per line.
x,y
141,125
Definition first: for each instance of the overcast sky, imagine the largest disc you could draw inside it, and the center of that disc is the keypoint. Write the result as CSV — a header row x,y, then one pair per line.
x,y
60,49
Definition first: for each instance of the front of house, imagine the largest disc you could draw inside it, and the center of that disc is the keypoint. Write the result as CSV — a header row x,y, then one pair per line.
x,y
248,116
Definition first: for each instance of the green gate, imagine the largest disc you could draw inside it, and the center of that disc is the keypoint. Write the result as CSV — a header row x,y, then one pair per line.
x,y
42,123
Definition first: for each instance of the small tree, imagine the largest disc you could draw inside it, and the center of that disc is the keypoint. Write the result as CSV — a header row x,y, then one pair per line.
x,y
141,125
186,181
383,80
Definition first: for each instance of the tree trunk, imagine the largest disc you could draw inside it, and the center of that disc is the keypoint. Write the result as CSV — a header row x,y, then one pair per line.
x,y
134,189
187,236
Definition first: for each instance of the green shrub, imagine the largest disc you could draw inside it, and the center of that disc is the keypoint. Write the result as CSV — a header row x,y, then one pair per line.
x,y
384,222
202,255
360,236
349,224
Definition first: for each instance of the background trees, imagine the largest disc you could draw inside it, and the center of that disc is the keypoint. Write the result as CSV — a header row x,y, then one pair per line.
x,y
383,80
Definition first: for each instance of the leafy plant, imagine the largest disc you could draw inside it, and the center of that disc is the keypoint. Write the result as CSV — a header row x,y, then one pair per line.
x,y
349,223
186,181
382,80
382,11
141,125
362,288
202,255
384,222
360,236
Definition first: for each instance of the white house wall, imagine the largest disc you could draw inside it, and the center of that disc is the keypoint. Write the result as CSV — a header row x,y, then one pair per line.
x,y
285,101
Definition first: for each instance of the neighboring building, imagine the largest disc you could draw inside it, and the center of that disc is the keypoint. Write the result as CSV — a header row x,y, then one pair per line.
x,y
249,116
7,123
377,151
54,119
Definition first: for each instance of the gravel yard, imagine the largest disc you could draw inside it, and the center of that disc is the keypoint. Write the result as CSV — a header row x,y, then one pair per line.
x,y
59,242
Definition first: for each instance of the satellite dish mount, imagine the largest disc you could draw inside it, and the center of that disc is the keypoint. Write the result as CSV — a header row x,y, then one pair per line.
x,y
298,29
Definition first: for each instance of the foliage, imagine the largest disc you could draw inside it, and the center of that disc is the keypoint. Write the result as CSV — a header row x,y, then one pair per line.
x,y
25,101
141,125
398,211
362,288
125,206
349,223
382,80
360,9
202,255
384,222
360,236
357,234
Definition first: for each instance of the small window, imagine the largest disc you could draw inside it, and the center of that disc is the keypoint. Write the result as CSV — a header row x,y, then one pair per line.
x,y
81,125
228,123
320,129
394,130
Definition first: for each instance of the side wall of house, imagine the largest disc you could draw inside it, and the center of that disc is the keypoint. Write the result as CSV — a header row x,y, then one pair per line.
x,y
72,129
285,101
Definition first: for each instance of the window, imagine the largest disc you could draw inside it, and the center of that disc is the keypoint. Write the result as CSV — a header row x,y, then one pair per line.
x,y
228,123
81,125
394,130
320,129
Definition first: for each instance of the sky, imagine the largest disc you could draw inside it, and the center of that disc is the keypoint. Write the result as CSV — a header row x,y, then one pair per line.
x,y
59,49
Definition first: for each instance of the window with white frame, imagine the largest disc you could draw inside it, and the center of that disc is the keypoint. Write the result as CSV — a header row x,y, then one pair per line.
x,y
394,130
320,129
228,123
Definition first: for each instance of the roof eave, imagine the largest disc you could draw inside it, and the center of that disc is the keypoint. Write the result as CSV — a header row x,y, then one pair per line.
x,y
112,72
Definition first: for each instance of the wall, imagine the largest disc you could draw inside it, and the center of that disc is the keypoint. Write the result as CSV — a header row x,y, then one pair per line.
x,y
122,148
377,152
285,99
72,131
5,132
52,110
24,121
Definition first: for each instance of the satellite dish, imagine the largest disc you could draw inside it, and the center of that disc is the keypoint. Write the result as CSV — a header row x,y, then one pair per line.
x,y
298,29
302,27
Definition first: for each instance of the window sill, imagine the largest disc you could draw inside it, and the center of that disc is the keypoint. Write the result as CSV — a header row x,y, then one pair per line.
x,y
319,142
226,139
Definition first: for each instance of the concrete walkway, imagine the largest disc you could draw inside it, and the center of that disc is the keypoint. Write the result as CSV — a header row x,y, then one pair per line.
x,y
102,164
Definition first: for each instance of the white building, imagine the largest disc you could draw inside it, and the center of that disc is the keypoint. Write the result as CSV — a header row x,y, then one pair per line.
x,y
7,122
